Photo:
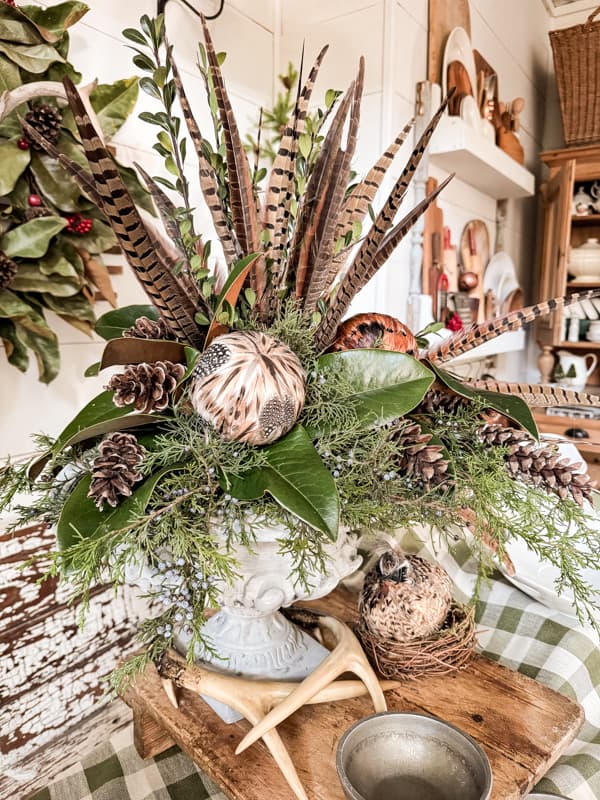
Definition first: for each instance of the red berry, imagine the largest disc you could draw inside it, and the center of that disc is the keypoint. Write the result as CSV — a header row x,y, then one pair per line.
x,y
34,200
9,2
78,224
455,323
23,144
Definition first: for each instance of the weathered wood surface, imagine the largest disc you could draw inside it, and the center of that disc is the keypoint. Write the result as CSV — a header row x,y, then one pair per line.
x,y
444,16
522,725
51,671
40,767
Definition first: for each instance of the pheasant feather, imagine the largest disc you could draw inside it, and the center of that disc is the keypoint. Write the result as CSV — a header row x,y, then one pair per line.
x,y
149,264
208,180
319,278
538,395
353,280
363,195
244,215
478,333
281,188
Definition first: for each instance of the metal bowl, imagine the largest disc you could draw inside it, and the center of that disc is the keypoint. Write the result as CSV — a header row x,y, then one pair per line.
x,y
413,756
538,796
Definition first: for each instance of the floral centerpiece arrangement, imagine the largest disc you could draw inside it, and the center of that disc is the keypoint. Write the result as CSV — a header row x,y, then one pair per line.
x,y
51,232
244,400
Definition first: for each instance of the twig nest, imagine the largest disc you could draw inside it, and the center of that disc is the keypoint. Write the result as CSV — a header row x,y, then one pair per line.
x,y
249,386
375,330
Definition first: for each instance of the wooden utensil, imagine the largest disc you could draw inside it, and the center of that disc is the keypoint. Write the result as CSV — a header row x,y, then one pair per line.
x,y
476,267
482,242
443,18
458,79
517,106
433,223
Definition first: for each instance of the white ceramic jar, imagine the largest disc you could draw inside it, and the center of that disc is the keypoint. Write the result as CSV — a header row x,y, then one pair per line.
x,y
584,261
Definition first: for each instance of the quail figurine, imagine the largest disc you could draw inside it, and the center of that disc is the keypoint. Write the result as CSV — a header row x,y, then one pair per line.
x,y
405,597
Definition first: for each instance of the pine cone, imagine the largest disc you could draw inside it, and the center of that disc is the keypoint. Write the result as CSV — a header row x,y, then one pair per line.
x,y
147,386
417,458
439,402
47,121
8,270
114,470
540,465
145,328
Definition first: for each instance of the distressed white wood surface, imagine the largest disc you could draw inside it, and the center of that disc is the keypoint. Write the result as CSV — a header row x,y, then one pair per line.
x,y
50,670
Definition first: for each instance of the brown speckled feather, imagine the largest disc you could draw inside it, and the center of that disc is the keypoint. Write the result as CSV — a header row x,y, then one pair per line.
x,y
208,180
478,333
538,395
281,190
353,280
143,252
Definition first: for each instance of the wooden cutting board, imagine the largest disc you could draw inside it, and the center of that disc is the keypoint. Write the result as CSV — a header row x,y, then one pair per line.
x,y
523,727
444,16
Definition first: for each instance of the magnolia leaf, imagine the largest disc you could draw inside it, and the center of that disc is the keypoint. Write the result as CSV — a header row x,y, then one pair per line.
x,y
229,294
52,22
56,263
112,324
13,163
296,478
30,279
97,273
11,305
98,240
75,310
19,31
15,350
60,190
32,58
35,334
99,416
130,350
10,77
81,519
513,407
113,103
385,384
31,239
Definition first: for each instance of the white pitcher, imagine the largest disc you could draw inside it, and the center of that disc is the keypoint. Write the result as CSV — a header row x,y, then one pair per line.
x,y
569,361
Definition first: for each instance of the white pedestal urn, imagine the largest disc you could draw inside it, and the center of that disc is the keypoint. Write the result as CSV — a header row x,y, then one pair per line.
x,y
249,636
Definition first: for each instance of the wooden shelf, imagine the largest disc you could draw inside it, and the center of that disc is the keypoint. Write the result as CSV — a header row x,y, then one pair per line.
x,y
457,147
583,285
585,345
585,219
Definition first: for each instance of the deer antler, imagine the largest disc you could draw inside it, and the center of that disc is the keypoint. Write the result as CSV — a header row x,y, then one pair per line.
x,y
13,98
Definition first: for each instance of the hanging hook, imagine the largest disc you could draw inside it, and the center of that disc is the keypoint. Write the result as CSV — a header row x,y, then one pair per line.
x,y
162,4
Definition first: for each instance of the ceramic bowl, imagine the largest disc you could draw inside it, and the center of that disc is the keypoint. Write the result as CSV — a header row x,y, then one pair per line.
x,y
412,756
584,261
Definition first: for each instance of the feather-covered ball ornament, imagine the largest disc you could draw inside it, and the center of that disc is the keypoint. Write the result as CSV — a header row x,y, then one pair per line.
x,y
249,386
375,330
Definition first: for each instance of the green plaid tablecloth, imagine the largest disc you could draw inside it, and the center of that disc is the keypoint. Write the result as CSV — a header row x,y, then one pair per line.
x,y
514,630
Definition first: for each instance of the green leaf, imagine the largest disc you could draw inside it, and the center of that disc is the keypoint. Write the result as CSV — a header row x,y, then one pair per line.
x,y
15,350
10,77
75,310
139,195
53,184
31,239
305,144
13,163
30,279
113,103
511,406
112,324
100,239
385,384
52,22
150,87
32,58
81,519
32,331
296,478
19,31
56,263
135,36
231,290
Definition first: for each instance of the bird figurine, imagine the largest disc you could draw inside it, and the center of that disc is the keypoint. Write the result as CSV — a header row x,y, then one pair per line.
x,y
405,597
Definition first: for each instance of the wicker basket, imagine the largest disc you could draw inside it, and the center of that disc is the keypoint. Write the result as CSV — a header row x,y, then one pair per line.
x,y
576,54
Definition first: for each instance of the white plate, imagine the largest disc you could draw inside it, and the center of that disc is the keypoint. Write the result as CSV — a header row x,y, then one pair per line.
x,y
469,112
500,276
459,48
589,309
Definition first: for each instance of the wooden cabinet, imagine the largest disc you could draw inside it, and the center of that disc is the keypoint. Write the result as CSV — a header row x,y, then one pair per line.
x,y
561,230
